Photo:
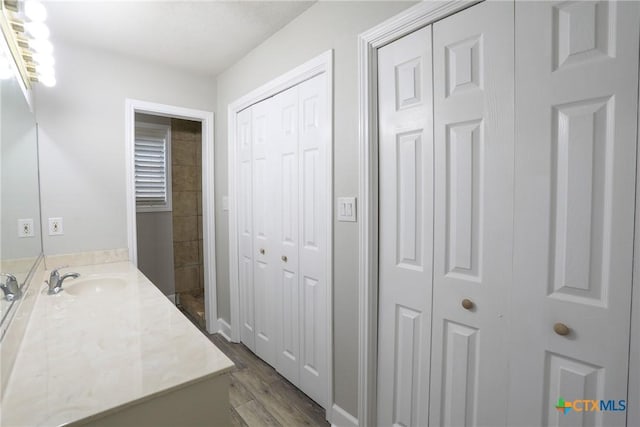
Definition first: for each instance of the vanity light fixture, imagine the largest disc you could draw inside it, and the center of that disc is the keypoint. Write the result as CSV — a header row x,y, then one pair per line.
x,y
27,35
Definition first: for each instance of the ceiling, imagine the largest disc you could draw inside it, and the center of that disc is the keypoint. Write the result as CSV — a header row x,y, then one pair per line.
x,y
203,37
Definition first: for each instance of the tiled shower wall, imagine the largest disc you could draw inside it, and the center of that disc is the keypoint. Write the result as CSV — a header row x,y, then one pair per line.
x,y
186,165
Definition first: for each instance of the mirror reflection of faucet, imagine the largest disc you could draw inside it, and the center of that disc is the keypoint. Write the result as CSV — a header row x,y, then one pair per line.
x,y
55,280
11,288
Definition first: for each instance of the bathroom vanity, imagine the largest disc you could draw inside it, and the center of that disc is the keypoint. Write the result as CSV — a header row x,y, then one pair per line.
x,y
111,349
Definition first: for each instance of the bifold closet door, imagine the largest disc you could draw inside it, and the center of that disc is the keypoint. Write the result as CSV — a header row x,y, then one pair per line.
x,y
473,54
313,223
406,229
282,145
245,228
576,74
264,166
286,132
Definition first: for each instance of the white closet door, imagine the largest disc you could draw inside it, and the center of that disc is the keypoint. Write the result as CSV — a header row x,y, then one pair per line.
x,y
245,228
263,231
576,73
406,229
285,132
314,135
474,125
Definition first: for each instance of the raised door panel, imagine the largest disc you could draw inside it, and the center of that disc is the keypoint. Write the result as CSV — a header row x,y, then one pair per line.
x,y
314,137
285,132
473,216
245,228
406,229
264,278
577,69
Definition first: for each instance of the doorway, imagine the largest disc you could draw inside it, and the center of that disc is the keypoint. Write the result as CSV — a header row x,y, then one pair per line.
x,y
175,244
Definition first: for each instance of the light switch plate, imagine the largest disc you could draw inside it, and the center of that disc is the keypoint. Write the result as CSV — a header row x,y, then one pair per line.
x,y
55,227
347,209
25,227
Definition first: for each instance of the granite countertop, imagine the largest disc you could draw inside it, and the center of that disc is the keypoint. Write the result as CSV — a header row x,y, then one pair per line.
x,y
83,355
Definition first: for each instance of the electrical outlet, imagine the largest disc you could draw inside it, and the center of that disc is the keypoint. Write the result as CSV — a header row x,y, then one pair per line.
x,y
55,227
25,227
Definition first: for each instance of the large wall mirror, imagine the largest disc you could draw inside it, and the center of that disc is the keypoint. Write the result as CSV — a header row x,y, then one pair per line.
x,y
20,233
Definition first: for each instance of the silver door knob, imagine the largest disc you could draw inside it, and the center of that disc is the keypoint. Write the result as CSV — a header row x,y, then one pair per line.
x,y
284,258
561,329
262,251
467,304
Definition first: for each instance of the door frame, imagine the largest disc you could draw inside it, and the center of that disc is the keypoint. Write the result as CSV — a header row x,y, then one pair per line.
x,y
322,63
133,106
369,42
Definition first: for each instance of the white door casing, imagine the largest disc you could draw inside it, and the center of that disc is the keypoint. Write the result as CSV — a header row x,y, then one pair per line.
x,y
406,229
473,220
245,228
576,93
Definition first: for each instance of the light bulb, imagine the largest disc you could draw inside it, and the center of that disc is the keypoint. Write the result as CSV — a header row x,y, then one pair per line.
x,y
42,59
35,11
42,46
45,71
48,81
38,30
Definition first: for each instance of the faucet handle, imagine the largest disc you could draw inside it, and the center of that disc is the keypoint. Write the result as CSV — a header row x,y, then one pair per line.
x,y
55,270
10,277
11,289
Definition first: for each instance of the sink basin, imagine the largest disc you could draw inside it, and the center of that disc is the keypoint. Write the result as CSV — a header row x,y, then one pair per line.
x,y
97,286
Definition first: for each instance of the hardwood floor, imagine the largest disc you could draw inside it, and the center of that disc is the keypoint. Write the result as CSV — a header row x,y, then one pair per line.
x,y
260,396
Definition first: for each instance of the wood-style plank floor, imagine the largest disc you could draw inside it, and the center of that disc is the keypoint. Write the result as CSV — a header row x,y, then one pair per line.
x,y
260,396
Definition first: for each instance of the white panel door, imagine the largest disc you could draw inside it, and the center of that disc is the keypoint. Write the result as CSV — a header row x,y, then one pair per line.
x,y
285,133
406,229
473,217
314,135
245,228
576,74
264,244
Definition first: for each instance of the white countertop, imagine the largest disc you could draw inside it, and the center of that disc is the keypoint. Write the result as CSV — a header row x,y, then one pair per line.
x,y
85,355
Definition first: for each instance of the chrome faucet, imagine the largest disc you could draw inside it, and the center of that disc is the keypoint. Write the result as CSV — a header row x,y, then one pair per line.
x,y
11,288
55,280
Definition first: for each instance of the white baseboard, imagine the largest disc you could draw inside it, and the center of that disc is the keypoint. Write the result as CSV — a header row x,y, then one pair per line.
x,y
172,298
341,418
224,329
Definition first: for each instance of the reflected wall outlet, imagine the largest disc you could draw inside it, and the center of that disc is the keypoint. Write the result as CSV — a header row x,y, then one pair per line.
x,y
25,227
55,227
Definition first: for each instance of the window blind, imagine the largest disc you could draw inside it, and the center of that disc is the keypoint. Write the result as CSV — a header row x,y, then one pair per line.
x,y
151,171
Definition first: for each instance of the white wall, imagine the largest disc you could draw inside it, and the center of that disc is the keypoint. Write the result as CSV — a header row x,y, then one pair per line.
x,y
326,25
82,148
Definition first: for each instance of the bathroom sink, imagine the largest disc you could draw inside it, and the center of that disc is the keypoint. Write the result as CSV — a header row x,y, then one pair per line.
x,y
98,286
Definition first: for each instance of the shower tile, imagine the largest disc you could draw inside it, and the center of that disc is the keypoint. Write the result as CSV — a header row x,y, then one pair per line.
x,y
185,203
185,228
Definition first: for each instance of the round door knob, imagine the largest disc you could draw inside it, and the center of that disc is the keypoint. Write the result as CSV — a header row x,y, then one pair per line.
x,y
262,251
561,329
467,304
284,258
